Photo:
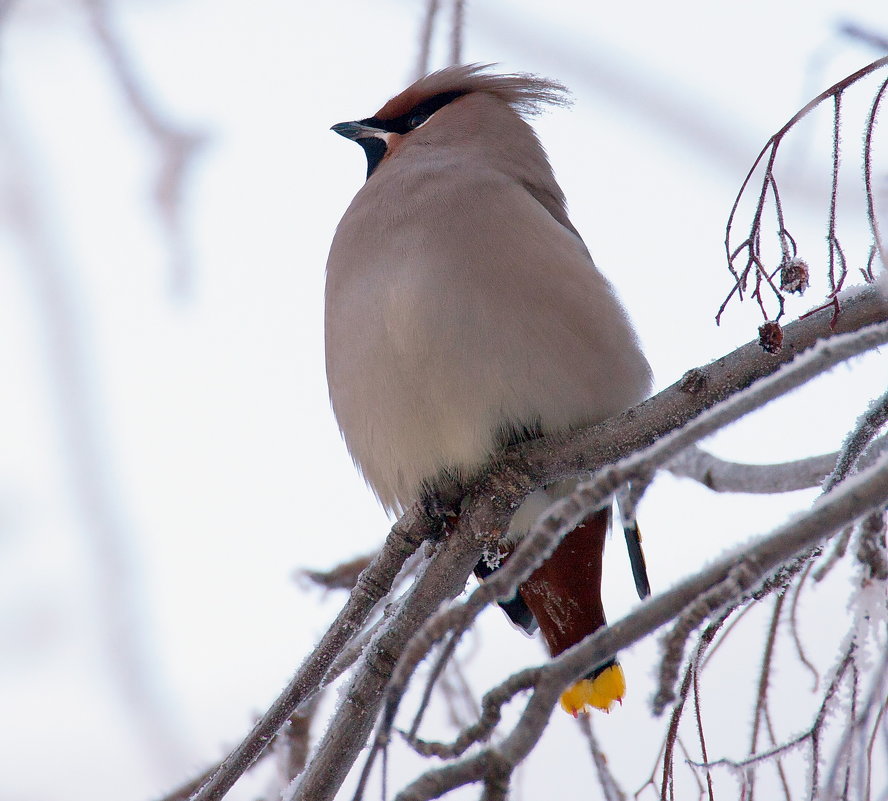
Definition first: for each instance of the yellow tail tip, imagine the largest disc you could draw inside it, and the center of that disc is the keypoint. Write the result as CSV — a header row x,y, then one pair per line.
x,y
602,692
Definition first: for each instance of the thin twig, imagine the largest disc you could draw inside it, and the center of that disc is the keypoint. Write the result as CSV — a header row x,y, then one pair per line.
x,y
667,783
752,241
778,761
838,551
761,701
606,780
865,430
698,717
833,195
868,175
794,625
491,714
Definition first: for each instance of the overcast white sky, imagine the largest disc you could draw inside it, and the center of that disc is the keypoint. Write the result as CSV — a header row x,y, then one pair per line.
x,y
177,453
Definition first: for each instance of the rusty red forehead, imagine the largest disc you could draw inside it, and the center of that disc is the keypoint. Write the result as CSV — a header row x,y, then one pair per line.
x,y
400,104
452,80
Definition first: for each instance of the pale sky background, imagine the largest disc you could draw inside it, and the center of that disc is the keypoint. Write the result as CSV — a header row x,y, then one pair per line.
x,y
178,455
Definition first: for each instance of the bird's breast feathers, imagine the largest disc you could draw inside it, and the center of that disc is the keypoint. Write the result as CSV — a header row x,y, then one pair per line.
x,y
496,318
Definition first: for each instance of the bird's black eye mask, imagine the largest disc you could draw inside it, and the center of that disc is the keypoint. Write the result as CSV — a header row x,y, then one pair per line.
x,y
374,145
417,116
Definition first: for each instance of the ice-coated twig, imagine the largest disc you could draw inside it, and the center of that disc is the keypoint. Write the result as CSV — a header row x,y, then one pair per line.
x,y
740,579
751,246
878,242
761,712
610,789
861,729
480,730
691,670
865,430
698,719
794,626
811,735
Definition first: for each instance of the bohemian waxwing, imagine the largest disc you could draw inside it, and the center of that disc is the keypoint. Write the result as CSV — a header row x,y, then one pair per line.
x,y
464,313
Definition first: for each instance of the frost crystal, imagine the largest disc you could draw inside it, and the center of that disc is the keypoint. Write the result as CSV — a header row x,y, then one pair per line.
x,y
493,559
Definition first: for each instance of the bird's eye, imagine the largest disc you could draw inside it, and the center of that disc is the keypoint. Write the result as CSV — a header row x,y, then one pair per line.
x,y
417,119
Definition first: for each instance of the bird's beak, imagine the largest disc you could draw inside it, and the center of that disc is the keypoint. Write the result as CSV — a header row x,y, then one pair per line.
x,y
356,130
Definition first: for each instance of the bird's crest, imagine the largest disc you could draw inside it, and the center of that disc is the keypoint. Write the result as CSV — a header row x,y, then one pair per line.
x,y
523,92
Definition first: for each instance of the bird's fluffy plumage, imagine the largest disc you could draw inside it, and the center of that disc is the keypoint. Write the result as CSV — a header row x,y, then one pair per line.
x,y
464,312
462,307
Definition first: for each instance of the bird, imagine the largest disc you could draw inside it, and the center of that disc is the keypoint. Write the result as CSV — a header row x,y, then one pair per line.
x,y
464,314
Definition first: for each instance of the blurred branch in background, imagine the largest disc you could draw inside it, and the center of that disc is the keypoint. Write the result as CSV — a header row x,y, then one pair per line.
x,y
176,147
428,25
61,308
862,34
74,379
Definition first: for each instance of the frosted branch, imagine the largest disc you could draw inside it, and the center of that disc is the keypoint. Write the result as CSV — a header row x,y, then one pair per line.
x,y
864,432
491,714
849,502
721,475
606,780
792,268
